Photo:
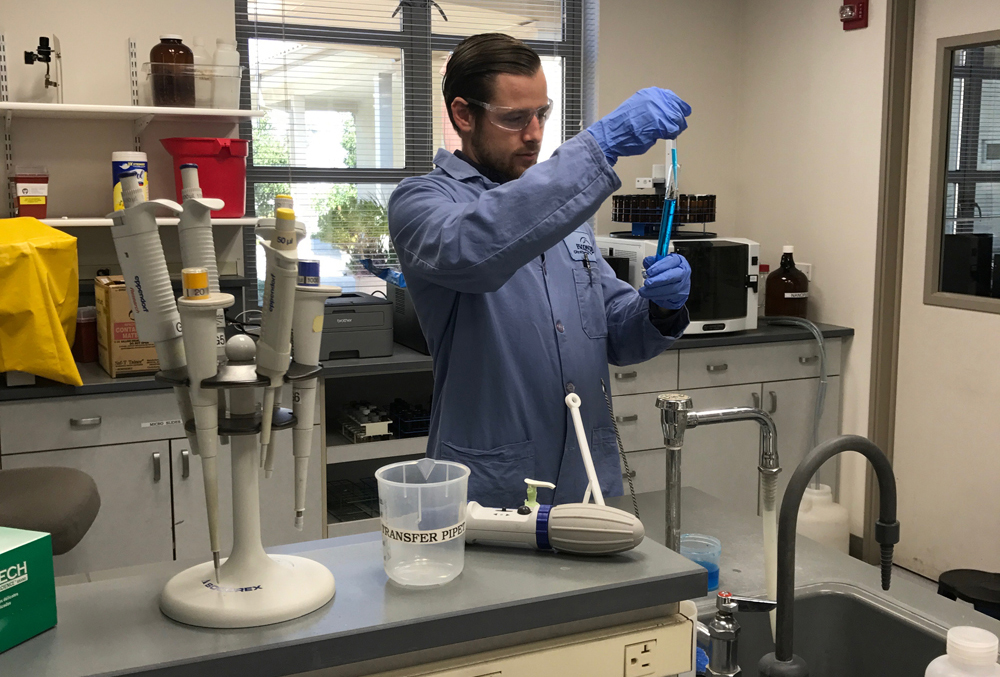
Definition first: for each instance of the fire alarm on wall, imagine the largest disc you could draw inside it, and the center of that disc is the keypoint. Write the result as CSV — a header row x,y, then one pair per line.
x,y
854,15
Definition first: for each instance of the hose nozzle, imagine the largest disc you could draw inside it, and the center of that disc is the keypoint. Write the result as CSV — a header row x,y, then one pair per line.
x,y
887,535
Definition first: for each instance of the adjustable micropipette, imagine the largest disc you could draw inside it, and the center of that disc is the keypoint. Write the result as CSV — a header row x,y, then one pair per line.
x,y
154,308
274,347
307,333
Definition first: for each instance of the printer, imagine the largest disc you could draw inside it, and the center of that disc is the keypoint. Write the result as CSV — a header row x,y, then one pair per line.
x,y
356,324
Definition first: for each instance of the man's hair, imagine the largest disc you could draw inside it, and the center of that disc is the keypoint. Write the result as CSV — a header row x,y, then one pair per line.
x,y
475,63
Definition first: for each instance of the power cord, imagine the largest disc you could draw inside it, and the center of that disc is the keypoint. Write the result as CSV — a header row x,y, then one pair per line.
x,y
621,450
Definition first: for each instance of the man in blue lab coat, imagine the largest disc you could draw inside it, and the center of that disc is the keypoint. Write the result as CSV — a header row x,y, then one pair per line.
x,y
516,303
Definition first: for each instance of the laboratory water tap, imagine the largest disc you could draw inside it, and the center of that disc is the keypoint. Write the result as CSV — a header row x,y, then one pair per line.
x,y
720,637
783,662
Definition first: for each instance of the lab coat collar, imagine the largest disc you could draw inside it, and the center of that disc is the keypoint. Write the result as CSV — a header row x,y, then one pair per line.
x,y
458,169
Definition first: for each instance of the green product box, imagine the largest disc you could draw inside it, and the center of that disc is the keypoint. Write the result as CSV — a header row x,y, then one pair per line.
x,y
27,586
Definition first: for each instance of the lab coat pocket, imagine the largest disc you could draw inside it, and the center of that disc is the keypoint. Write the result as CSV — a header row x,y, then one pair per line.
x,y
590,295
497,479
604,450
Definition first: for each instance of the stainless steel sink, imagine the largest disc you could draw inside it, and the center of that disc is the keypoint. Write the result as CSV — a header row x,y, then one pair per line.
x,y
841,630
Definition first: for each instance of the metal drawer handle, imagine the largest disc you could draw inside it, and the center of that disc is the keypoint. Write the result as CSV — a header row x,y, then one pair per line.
x,y
809,360
756,400
631,418
625,375
185,464
630,475
88,422
717,368
156,466
774,401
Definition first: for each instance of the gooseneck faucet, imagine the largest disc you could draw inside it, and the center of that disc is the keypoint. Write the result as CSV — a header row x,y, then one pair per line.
x,y
783,662
677,415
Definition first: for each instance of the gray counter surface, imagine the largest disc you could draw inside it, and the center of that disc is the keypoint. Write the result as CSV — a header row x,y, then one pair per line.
x,y
114,627
741,569
96,381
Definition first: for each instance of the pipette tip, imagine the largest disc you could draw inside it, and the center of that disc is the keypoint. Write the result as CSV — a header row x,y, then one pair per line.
x,y
267,473
216,561
299,519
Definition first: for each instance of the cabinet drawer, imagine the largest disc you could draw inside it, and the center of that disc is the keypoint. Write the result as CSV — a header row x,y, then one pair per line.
x,y
638,421
649,468
69,422
658,375
709,367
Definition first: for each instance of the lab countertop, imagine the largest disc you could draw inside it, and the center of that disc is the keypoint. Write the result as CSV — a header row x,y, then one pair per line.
x,y
96,381
741,569
114,627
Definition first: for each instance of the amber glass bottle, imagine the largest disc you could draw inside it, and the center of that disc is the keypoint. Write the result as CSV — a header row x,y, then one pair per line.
x,y
171,63
787,288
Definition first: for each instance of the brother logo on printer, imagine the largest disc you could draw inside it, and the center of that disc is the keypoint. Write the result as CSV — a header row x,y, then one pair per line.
x,y
14,575
345,320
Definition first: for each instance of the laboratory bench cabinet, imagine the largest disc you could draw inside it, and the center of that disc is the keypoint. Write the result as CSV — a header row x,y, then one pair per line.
x,y
152,498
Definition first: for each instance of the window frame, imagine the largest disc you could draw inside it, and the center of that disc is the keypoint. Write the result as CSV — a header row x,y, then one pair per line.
x,y
418,44
941,175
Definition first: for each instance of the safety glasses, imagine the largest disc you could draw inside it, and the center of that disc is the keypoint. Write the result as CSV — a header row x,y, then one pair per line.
x,y
514,119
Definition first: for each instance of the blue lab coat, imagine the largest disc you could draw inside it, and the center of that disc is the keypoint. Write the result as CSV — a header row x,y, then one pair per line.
x,y
515,319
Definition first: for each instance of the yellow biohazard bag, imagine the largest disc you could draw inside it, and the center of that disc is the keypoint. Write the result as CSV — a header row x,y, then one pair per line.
x,y
39,292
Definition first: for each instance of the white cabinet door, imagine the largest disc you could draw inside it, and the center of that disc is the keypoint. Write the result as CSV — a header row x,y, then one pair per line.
x,y
277,499
133,524
792,406
721,459
277,494
190,516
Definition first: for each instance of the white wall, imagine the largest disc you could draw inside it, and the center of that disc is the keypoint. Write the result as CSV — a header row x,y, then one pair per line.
x,y
94,36
947,426
691,47
786,131
808,173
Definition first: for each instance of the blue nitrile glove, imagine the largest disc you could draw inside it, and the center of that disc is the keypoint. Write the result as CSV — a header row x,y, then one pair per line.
x,y
668,281
647,116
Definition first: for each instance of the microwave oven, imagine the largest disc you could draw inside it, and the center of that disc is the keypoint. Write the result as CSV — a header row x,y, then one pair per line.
x,y
724,278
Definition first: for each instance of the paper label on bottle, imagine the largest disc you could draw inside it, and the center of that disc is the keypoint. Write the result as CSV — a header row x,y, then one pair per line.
x,y
424,537
32,189
796,294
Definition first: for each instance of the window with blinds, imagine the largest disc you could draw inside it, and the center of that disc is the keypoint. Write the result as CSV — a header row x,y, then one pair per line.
x,y
352,90
970,249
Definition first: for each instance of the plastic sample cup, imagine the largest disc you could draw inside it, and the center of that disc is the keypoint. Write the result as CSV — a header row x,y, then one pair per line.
x,y
706,551
422,505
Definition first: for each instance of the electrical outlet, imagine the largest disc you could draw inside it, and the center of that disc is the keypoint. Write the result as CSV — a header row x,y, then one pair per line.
x,y
639,659
644,182
806,268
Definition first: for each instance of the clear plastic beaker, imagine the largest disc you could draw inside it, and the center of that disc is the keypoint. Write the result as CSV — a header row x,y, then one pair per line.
x,y
423,504
706,551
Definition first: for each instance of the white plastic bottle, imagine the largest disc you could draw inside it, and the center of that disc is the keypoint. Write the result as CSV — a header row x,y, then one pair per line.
x,y
823,520
972,652
226,91
202,73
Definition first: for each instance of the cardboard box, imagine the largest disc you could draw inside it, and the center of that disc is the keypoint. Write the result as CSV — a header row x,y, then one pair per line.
x,y
27,586
118,346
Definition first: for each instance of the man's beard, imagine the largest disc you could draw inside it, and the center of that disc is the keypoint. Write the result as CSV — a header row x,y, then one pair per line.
x,y
489,158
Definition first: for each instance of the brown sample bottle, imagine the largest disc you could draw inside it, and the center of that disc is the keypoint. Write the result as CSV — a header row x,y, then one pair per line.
x,y
171,64
787,289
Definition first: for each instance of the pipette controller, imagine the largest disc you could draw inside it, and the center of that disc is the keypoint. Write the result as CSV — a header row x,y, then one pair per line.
x,y
275,346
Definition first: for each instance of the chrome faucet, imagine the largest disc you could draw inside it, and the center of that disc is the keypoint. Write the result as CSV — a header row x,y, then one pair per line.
x,y
720,638
783,662
676,416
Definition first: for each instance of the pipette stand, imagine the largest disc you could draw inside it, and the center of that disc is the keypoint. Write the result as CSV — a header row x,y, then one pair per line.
x,y
254,588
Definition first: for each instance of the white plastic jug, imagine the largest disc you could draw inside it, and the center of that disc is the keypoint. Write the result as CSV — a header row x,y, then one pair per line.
x,y
823,520
972,652
422,505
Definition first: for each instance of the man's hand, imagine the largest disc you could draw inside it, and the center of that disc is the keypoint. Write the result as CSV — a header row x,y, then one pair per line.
x,y
647,116
668,281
